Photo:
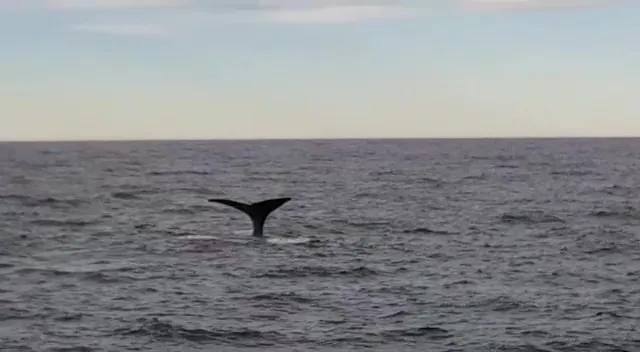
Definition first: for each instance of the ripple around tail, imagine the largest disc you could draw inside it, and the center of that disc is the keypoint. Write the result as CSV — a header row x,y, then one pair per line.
x,y
250,239
283,240
214,238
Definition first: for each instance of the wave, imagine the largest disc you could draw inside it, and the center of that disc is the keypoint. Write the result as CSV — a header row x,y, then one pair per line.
x,y
280,297
164,330
426,230
177,172
529,217
626,213
318,271
31,201
64,223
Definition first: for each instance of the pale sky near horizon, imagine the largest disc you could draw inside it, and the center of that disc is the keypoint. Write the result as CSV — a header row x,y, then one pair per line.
x,y
154,69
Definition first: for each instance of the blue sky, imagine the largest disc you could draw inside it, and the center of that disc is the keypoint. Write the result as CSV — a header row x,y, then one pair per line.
x,y
153,69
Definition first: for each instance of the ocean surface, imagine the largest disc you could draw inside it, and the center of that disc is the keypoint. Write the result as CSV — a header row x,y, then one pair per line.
x,y
387,245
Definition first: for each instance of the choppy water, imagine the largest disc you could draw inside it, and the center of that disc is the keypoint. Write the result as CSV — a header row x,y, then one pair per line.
x,y
453,245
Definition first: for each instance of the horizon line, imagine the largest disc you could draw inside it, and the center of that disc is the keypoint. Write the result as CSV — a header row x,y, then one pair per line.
x,y
460,138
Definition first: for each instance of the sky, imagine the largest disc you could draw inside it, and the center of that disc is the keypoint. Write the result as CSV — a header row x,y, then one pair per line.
x,y
253,69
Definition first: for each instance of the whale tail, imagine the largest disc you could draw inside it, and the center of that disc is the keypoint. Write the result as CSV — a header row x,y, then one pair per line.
x,y
258,212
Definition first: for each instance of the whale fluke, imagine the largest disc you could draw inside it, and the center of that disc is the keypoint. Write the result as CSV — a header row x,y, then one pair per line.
x,y
258,212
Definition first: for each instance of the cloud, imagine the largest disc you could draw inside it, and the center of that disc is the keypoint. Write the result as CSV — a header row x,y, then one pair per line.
x,y
537,5
338,14
197,19
123,29
113,4
309,10
291,8
318,15
250,11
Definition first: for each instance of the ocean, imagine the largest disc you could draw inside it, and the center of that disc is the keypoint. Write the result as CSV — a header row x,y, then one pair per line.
x,y
393,245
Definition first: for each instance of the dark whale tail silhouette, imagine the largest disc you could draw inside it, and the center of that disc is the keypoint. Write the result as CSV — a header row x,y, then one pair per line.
x,y
258,212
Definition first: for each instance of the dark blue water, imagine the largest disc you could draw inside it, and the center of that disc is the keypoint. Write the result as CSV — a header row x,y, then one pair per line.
x,y
450,245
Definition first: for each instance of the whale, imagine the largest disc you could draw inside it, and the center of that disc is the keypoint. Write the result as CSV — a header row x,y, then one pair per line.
x,y
257,212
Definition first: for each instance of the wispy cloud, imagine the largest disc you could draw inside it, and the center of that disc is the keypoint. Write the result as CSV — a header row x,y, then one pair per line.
x,y
538,5
198,13
113,4
338,14
304,8
316,15
123,29
216,12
